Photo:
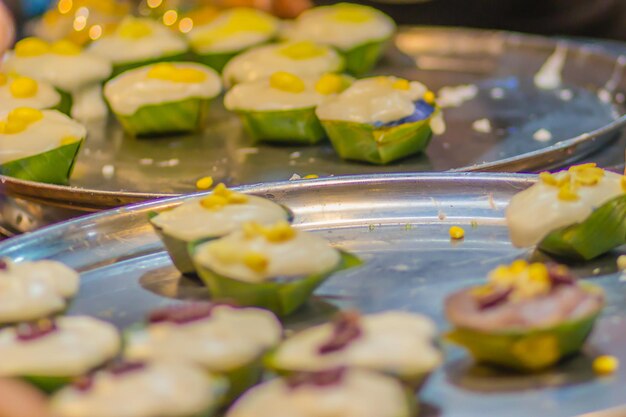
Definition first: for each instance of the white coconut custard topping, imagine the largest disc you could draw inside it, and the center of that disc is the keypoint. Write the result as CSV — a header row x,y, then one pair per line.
x,y
138,39
62,64
344,26
355,393
285,91
17,91
218,214
150,390
33,290
71,346
25,132
559,200
233,30
161,83
257,254
218,338
395,342
303,58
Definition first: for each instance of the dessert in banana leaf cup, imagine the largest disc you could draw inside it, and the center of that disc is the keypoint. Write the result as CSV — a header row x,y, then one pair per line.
x,y
381,119
137,389
302,58
274,267
138,42
51,353
222,339
39,145
338,392
399,344
162,98
359,32
527,317
34,290
62,64
230,33
575,214
18,91
281,108
210,217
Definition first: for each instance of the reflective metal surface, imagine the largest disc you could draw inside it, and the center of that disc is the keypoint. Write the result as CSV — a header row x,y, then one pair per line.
x,y
113,169
399,225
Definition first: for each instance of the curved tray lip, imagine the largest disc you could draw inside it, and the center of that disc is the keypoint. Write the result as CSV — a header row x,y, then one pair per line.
x,y
85,199
476,178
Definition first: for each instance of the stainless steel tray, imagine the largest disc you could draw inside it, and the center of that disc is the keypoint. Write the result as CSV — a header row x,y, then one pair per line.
x,y
114,170
399,225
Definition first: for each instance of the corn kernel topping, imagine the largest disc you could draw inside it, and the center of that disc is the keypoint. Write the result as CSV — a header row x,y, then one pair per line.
x,y
240,20
457,233
401,84
170,72
67,140
331,84
204,183
287,82
352,13
3,79
429,97
30,47
23,87
134,29
221,197
605,365
19,119
277,233
65,47
303,50
256,261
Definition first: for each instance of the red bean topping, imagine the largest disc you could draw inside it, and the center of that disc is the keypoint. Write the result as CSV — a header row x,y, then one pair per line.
x,y
185,313
83,383
497,297
346,329
560,275
27,332
319,379
122,368
3,265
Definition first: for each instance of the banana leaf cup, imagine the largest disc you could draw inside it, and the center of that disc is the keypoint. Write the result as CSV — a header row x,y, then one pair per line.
x,y
65,104
282,296
298,126
362,59
217,60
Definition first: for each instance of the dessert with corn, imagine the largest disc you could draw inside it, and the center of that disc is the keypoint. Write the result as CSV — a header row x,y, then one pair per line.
x,y
137,389
395,343
527,316
50,353
281,108
19,91
137,42
222,339
359,32
221,212
381,119
578,213
271,266
162,98
230,33
39,145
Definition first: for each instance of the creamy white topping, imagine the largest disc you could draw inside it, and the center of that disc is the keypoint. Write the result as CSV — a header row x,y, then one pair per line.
x,y
79,345
33,290
67,72
372,100
45,98
261,96
233,30
304,254
342,26
358,394
41,136
537,211
159,389
134,89
190,221
118,49
229,339
394,341
88,104
549,75
454,96
261,62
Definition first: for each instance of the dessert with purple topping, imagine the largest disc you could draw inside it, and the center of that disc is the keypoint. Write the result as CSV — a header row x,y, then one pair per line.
x,y
527,317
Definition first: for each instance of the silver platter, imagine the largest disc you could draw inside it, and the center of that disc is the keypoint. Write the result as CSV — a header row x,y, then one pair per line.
x,y
399,224
113,169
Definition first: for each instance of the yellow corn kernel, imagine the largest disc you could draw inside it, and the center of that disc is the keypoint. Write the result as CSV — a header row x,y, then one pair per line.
x,y
134,29
162,71
579,167
310,177
3,125
401,84
623,183
23,87
29,47
214,202
287,82
3,79
352,13
65,47
256,261
500,275
482,290
280,232
568,193
429,97
621,262
221,190
303,50
204,183
14,126
457,232
605,365
188,75
588,176
548,179
538,272
518,266
25,114
67,140
237,198
252,230
330,84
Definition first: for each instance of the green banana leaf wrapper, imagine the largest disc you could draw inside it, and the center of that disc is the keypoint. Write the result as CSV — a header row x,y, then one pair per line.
x,y
178,249
299,126
362,59
602,231
126,66
166,118
54,166
49,384
217,61
527,350
65,104
281,296
377,145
